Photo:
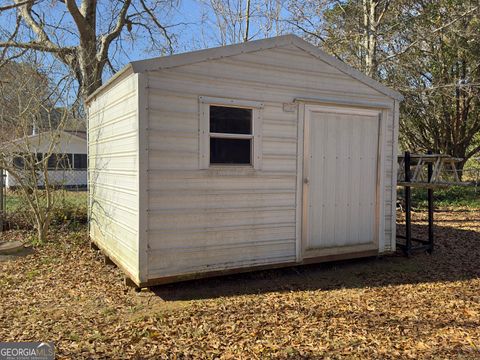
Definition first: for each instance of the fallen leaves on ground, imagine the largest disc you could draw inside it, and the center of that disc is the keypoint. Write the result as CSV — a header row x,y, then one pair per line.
x,y
426,306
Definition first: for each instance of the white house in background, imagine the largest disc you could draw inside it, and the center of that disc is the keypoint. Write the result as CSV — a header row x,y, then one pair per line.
x,y
267,153
67,164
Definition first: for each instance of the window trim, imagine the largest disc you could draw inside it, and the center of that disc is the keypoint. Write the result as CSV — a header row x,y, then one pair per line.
x,y
205,134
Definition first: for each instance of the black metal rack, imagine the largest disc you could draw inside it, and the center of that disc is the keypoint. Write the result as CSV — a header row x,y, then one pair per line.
x,y
412,243
2,198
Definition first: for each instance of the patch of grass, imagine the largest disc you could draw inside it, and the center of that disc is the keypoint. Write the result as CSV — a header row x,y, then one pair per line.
x,y
73,337
107,311
70,208
32,274
454,196
63,198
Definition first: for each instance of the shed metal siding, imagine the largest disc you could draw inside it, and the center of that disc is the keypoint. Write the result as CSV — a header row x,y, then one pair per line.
x,y
344,151
204,220
113,164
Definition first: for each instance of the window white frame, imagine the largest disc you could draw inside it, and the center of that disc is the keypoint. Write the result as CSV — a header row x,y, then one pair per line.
x,y
205,134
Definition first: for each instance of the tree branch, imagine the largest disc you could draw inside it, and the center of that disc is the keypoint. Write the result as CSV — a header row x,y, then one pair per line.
x,y
13,6
35,45
434,31
77,16
26,13
157,23
107,39
473,152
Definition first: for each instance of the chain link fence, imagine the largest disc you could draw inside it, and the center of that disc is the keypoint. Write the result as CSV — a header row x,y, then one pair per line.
x,y
3,199
69,188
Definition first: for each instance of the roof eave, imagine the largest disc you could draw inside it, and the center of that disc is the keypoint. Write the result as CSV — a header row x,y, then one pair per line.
x,y
126,70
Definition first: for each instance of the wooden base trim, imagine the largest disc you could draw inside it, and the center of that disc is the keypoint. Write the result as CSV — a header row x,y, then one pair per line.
x,y
337,257
202,275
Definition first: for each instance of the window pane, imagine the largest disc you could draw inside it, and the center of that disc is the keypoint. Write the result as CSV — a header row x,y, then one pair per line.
x,y
59,161
230,120
66,161
19,162
230,151
80,161
52,161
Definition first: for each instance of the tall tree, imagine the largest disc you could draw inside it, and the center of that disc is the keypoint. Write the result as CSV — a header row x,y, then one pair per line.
x,y
440,78
234,21
356,31
81,35
428,50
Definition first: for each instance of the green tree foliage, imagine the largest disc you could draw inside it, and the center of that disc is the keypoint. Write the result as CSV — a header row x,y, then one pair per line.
x,y
429,50
440,77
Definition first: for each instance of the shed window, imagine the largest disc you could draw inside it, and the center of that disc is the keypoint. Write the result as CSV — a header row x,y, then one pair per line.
x,y
231,133
230,120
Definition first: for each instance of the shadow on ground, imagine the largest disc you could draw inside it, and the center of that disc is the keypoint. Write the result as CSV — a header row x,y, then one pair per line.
x,y
456,257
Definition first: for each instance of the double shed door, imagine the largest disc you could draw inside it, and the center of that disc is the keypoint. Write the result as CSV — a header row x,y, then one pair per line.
x,y
341,180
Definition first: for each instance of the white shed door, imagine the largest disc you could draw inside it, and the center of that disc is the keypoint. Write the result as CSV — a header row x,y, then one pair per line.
x,y
341,152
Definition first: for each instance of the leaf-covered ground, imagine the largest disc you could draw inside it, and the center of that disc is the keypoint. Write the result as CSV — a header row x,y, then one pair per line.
x,y
427,306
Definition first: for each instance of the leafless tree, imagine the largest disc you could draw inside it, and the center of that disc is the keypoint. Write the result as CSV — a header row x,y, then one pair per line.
x,y
351,30
234,21
34,104
83,36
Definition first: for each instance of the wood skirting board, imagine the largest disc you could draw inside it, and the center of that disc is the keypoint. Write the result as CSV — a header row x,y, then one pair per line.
x,y
207,274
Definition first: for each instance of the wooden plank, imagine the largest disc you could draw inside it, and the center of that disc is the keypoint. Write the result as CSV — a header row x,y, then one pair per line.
x,y
201,275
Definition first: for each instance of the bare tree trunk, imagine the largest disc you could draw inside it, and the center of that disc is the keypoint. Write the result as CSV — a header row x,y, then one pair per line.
x,y
370,36
87,59
42,230
247,21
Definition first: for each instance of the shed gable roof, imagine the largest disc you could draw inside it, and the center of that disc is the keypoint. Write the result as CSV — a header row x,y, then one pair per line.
x,y
188,58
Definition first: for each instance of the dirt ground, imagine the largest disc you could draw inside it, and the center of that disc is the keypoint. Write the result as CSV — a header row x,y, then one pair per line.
x,y
426,306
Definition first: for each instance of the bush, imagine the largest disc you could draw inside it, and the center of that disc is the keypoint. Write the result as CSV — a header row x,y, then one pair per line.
x,y
70,210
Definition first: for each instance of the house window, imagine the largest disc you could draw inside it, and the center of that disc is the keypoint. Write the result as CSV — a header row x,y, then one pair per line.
x,y
24,161
80,161
59,161
231,133
19,162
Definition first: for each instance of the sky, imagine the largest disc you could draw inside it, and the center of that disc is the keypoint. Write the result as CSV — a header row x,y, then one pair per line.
x,y
192,24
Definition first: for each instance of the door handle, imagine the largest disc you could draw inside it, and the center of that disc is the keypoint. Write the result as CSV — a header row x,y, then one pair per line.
x,y
306,180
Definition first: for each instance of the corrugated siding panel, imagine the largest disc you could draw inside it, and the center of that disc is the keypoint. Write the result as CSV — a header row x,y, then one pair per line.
x,y
342,171
389,191
113,163
201,220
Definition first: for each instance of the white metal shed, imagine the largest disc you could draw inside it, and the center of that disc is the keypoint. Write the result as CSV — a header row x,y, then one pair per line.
x,y
262,154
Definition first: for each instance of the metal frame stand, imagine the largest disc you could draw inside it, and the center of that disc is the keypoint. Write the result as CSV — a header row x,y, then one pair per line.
x,y
420,244
2,199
